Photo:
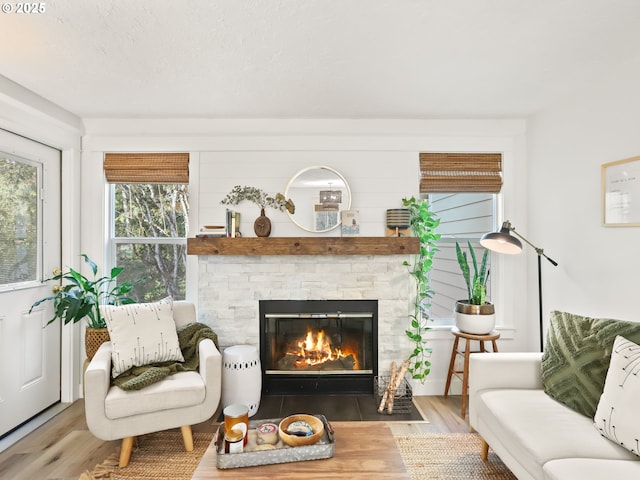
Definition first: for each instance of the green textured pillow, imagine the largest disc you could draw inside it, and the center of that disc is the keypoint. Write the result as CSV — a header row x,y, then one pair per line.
x,y
577,356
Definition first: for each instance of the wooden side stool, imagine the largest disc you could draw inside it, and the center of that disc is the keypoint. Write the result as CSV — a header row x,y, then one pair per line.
x,y
464,373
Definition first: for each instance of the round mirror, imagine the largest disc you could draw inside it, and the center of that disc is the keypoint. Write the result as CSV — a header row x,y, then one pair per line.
x,y
319,193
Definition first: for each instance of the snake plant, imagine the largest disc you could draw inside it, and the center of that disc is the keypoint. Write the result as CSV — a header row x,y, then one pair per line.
x,y
476,286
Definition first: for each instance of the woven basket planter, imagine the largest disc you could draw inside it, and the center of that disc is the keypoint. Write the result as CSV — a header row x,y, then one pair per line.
x,y
93,338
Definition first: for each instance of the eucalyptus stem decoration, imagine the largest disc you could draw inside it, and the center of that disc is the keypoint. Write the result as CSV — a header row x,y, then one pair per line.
x,y
259,197
423,224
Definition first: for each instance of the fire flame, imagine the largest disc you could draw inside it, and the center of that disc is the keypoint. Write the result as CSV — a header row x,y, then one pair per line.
x,y
316,349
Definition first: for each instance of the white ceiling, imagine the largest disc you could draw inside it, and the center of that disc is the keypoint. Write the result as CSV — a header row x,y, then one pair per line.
x,y
316,58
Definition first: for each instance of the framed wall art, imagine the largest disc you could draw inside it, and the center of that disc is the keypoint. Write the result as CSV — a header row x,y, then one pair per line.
x,y
350,223
621,193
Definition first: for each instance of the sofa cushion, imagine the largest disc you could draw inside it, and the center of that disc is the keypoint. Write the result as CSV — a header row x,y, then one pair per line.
x,y
183,389
617,415
591,469
141,333
576,357
534,429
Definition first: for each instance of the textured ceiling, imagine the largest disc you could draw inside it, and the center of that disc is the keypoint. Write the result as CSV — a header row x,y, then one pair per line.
x,y
316,58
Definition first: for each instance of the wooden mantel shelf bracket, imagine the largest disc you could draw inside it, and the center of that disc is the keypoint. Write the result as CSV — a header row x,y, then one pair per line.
x,y
303,246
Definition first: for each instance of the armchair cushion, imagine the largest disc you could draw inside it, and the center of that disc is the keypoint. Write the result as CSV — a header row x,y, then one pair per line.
x,y
141,333
183,389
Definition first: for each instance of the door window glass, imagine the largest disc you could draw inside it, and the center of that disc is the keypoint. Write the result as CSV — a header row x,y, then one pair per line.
x,y
19,180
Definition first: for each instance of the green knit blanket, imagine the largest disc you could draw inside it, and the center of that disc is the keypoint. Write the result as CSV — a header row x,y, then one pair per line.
x,y
189,337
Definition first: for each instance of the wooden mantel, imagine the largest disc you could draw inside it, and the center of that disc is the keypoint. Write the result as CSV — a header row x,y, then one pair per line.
x,y
303,246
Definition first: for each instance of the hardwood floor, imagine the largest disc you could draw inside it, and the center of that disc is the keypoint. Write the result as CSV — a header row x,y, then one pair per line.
x,y
63,448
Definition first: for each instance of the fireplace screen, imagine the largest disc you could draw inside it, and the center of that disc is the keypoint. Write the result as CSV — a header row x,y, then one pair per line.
x,y
313,342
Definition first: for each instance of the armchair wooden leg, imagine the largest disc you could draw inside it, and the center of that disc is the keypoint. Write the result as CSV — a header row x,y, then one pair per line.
x,y
484,454
187,437
125,451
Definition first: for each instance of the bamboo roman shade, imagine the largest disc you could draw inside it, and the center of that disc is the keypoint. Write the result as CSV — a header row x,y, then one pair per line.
x,y
146,167
460,172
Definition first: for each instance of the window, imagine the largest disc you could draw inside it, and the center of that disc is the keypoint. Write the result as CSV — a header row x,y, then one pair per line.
x,y
463,217
149,222
462,189
19,187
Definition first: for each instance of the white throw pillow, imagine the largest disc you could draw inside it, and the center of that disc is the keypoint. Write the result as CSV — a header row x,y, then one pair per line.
x,y
141,333
617,414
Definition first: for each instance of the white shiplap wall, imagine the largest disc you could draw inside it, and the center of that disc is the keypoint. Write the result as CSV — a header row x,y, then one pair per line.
x,y
378,180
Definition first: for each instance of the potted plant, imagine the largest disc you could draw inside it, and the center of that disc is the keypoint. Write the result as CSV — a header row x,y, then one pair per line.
x,y
474,315
423,223
262,225
81,298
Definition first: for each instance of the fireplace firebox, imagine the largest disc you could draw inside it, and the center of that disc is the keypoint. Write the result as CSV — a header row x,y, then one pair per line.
x,y
318,346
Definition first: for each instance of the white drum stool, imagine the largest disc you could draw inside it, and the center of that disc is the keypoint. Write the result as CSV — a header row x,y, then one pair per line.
x,y
241,377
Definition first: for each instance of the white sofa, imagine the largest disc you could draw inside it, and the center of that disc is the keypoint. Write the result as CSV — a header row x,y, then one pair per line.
x,y
534,435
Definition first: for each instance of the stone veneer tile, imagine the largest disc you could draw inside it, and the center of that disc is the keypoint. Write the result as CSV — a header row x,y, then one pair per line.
x,y
231,286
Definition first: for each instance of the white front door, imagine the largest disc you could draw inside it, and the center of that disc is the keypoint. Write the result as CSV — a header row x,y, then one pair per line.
x,y
29,251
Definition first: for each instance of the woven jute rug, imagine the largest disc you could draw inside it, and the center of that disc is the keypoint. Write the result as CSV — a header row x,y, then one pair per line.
x,y
450,456
157,456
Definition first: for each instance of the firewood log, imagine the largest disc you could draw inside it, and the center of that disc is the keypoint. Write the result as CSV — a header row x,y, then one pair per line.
x,y
385,396
397,381
400,377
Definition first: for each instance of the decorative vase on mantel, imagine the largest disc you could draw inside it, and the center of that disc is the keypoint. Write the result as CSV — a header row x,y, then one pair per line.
x,y
262,225
475,319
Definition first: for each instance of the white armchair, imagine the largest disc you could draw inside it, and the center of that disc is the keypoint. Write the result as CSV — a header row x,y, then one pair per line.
x,y
180,400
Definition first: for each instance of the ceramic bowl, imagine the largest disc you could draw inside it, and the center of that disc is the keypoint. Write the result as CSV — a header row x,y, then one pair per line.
x,y
295,441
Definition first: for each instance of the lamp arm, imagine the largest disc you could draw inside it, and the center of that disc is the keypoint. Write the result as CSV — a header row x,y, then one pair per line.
x,y
538,250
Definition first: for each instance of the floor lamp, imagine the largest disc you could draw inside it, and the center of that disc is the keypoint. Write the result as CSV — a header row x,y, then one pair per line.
x,y
503,242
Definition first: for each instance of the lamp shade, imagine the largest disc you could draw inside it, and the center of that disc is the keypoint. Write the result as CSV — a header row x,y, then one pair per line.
x,y
502,241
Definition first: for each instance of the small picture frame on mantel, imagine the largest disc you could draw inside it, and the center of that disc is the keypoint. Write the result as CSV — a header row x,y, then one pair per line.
x,y
621,193
350,223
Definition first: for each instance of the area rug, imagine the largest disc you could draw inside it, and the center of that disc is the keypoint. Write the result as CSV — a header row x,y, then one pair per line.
x,y
451,456
157,456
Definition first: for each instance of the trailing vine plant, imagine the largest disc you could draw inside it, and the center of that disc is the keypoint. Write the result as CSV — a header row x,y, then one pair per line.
x,y
423,223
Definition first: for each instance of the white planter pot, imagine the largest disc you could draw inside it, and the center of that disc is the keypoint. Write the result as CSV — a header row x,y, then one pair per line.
x,y
475,324
475,319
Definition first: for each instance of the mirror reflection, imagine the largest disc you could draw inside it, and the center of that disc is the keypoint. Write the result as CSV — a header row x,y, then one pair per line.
x,y
319,194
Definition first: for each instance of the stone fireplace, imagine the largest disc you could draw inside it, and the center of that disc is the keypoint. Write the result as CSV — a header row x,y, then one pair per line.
x,y
231,286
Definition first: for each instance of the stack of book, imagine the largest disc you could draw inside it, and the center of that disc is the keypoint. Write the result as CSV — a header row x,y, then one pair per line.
x,y
212,231
233,224
231,227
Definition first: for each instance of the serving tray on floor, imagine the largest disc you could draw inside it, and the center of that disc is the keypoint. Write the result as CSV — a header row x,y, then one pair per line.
x,y
324,448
